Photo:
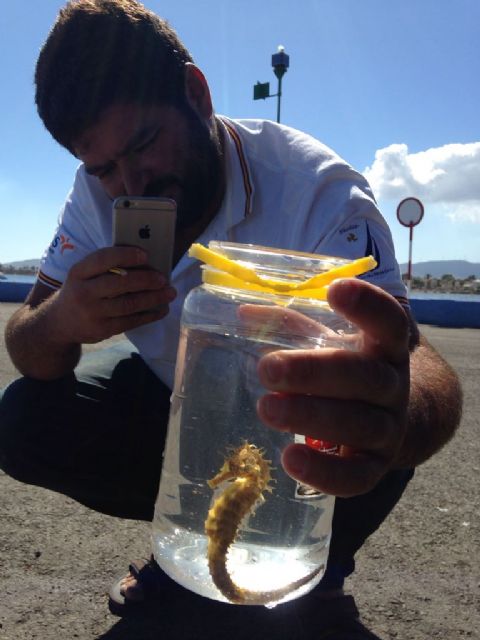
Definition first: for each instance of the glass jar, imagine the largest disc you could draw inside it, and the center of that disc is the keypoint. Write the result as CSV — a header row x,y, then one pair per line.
x,y
229,523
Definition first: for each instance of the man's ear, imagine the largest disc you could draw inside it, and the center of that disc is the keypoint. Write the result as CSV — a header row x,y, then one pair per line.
x,y
197,91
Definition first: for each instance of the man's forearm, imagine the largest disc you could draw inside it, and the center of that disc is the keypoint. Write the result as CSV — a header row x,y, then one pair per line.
x,y
435,406
33,344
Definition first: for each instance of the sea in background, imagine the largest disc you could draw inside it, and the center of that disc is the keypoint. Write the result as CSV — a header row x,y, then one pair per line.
x,y
8,277
419,295
437,295
15,288
442,309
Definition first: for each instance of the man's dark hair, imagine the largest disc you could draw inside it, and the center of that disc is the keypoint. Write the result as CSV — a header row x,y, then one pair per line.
x,y
102,52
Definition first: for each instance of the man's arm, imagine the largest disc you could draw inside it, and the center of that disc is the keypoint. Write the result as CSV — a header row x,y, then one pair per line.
x,y
45,335
434,409
32,341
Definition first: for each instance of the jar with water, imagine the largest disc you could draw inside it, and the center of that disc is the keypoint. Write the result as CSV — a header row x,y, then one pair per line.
x,y
229,523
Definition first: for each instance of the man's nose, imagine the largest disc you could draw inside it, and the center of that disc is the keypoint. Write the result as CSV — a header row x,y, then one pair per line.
x,y
134,179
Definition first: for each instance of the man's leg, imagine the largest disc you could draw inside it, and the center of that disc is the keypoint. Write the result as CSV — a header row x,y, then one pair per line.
x,y
96,436
355,519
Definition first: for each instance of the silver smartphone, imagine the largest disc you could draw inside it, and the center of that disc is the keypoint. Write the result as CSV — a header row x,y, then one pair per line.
x,y
148,223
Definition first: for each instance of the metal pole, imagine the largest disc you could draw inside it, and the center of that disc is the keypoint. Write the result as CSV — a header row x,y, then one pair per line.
x,y
409,275
280,64
279,95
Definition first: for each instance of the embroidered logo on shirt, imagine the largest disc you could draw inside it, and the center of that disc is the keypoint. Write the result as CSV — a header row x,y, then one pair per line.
x,y
61,242
350,228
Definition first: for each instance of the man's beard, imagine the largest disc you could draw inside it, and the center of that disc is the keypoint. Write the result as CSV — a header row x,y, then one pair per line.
x,y
202,173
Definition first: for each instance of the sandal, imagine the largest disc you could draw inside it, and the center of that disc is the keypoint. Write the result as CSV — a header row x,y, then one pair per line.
x,y
152,580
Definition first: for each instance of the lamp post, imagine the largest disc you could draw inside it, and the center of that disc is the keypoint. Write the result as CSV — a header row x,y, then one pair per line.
x,y
280,64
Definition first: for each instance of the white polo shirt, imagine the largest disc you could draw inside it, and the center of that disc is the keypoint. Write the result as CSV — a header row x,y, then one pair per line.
x,y
284,189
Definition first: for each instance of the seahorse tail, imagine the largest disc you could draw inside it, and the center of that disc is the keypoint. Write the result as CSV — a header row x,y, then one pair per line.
x,y
245,596
221,535
217,564
221,527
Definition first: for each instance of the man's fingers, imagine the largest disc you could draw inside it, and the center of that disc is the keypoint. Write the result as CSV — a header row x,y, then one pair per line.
x,y
352,398
134,280
101,261
342,476
382,319
355,424
273,320
333,373
137,302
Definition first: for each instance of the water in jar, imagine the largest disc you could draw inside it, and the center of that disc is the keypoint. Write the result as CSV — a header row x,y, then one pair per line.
x,y
285,538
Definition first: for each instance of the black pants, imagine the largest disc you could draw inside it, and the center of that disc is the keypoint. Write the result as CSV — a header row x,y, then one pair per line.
x,y
97,436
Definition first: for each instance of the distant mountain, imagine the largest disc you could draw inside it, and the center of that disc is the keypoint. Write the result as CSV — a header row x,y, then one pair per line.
x,y
437,268
32,264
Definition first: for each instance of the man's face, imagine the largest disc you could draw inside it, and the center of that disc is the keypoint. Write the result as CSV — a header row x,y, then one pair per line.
x,y
155,151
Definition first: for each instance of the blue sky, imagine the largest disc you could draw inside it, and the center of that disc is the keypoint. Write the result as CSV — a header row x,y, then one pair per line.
x,y
391,86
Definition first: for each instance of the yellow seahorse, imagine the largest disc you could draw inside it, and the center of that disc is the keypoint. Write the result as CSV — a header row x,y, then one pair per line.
x,y
251,477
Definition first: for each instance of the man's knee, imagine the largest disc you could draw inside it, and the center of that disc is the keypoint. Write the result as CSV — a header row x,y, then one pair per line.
x,y
356,518
10,408
25,405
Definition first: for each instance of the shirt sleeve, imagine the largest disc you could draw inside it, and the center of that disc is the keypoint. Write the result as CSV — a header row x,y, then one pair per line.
x,y
353,227
82,228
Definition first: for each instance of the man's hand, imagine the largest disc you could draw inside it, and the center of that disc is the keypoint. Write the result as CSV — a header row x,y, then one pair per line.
x,y
44,336
94,303
356,399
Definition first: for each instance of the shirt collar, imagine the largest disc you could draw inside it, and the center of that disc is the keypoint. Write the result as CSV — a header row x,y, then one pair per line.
x,y
238,200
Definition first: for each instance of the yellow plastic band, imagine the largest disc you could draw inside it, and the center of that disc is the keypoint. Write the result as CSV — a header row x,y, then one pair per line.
x,y
223,263
222,279
354,268
233,274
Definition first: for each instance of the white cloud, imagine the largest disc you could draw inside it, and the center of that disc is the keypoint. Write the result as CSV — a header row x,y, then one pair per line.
x,y
463,211
448,175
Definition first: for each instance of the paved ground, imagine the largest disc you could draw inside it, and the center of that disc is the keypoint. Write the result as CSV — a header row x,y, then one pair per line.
x,y
417,578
